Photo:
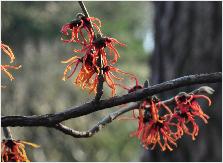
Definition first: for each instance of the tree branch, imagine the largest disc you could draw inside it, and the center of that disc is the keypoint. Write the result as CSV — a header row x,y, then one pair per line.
x,y
87,108
112,116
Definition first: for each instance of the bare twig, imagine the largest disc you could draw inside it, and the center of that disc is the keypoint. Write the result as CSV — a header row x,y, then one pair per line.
x,y
112,116
101,124
87,108
100,75
84,9
81,3
7,132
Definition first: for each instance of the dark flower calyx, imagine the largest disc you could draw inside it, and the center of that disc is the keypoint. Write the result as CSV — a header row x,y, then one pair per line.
x,y
183,115
155,99
75,23
106,68
147,116
100,42
182,97
136,87
9,143
159,124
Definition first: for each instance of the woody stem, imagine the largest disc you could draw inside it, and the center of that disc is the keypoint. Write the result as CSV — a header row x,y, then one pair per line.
x,y
99,62
81,3
100,80
84,9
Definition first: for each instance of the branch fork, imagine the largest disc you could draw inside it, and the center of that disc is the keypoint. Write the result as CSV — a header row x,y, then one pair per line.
x,y
54,120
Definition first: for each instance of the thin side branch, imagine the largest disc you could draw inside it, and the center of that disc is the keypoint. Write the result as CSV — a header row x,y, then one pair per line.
x,y
81,3
100,75
84,9
100,81
95,129
90,107
7,133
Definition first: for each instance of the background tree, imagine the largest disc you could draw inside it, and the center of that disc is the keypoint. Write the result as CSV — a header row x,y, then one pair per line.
x,y
32,31
188,40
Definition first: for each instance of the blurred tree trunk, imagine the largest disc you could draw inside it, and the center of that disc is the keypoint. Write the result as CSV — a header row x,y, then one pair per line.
x,y
188,40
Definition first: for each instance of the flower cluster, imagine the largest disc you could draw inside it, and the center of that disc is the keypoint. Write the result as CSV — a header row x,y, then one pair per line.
x,y
96,50
187,108
159,124
14,150
6,49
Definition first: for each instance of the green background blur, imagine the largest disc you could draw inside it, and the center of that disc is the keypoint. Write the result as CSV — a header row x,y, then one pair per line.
x,y
32,30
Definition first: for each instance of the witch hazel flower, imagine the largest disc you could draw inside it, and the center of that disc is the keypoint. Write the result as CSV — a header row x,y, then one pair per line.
x,y
77,28
88,74
14,150
7,50
6,67
98,47
165,122
111,79
186,110
93,50
184,118
153,128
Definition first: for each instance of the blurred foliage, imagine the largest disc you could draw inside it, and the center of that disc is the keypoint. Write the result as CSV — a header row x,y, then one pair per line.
x,y
32,30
